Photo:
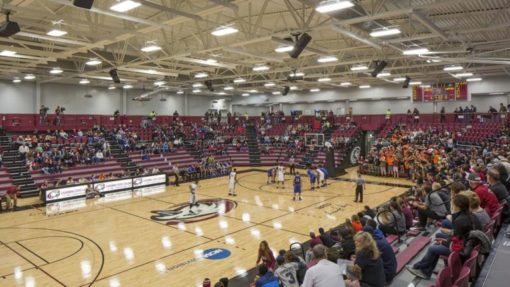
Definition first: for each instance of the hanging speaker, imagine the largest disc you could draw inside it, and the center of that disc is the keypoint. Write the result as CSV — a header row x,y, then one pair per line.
x,y
300,45
86,4
406,83
286,90
209,85
115,76
380,66
8,28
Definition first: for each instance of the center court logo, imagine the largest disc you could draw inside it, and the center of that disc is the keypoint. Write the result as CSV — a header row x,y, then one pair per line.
x,y
207,209
216,254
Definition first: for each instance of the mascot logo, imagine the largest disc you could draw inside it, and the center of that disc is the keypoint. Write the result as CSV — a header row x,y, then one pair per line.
x,y
355,153
206,209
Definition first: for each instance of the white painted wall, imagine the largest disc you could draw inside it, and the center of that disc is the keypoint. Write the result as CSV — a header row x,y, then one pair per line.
x,y
17,98
173,102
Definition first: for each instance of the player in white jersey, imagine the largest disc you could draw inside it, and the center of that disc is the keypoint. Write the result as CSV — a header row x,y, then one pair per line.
x,y
321,176
280,176
193,195
232,180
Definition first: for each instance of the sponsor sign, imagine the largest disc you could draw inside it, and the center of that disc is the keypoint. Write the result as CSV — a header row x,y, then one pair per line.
x,y
115,196
149,190
206,209
55,194
65,206
149,180
113,185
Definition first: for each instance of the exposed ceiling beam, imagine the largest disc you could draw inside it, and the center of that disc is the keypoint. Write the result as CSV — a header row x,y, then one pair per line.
x,y
427,23
227,4
252,55
355,36
171,10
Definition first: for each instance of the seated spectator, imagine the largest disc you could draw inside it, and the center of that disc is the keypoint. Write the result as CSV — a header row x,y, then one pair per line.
x,y
265,255
387,254
496,186
433,207
287,270
477,210
368,258
488,200
356,224
348,249
314,239
266,278
353,273
99,157
324,273
326,238
394,220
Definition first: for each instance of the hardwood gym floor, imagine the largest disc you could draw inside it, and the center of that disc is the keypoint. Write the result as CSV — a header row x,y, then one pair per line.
x,y
112,241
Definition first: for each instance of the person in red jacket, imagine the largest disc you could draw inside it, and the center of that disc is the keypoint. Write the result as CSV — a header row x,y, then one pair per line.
x,y
12,196
488,200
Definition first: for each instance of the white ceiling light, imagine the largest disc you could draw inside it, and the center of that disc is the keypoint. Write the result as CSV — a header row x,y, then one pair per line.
x,y
401,79
327,59
84,82
416,51
385,32
253,91
239,80
56,33
29,77
315,90
223,31
180,92
221,93
415,83
425,86
383,74
150,47
453,68
277,93
159,83
197,85
124,6
245,95
7,53
359,68
345,84
111,88
127,87
201,75
93,62
473,79
364,86
56,71
293,88
228,88
260,68
333,5
324,80
211,61
296,74
463,75
16,80
269,84
196,91
284,49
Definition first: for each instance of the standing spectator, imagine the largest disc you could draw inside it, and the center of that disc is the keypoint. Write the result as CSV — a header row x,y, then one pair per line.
x,y
43,114
325,273
58,114
488,200
388,115
315,240
116,116
416,115
368,258
12,196
175,169
443,115
266,255
502,108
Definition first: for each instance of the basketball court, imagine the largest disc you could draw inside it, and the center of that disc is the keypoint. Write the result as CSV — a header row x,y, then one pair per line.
x,y
131,239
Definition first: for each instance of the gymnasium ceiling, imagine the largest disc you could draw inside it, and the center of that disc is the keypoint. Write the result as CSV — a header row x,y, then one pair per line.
x,y
472,33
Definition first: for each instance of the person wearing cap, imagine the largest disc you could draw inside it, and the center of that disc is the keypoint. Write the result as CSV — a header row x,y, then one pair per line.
x,y
488,200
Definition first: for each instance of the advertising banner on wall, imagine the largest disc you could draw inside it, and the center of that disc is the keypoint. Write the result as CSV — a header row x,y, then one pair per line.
x,y
57,193
113,185
149,180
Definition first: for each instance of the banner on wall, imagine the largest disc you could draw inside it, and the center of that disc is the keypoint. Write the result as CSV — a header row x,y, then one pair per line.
x,y
442,92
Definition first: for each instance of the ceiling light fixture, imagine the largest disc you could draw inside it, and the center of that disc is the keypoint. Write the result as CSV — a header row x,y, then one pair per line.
x,y
315,90
93,62
196,91
345,84
324,80
271,84
385,32
84,82
364,86
260,68
201,75
56,71
473,79
16,80
29,77
327,59
284,49
197,85
253,91
417,51
111,88
56,33
228,88
127,87
415,83
293,88
333,5
180,92
223,31
239,80
150,47
124,6
397,80
159,83
245,94
452,68
463,75
359,68
425,86
383,74
277,93
296,74
7,53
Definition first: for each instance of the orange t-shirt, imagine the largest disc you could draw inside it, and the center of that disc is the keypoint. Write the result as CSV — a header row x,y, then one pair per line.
x,y
357,226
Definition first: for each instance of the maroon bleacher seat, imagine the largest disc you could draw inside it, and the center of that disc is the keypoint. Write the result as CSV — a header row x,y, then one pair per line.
x,y
444,278
454,264
463,280
411,251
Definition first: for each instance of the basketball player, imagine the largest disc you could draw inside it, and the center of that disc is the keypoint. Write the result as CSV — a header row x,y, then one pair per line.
x,y
297,186
270,178
325,171
312,176
193,195
232,180
280,172
320,179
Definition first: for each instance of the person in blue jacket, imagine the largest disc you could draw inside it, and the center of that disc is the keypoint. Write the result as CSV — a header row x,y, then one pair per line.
x,y
387,254
266,278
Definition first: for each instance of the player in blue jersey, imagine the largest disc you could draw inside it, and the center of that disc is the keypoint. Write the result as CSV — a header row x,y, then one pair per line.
x,y
297,186
325,171
311,174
